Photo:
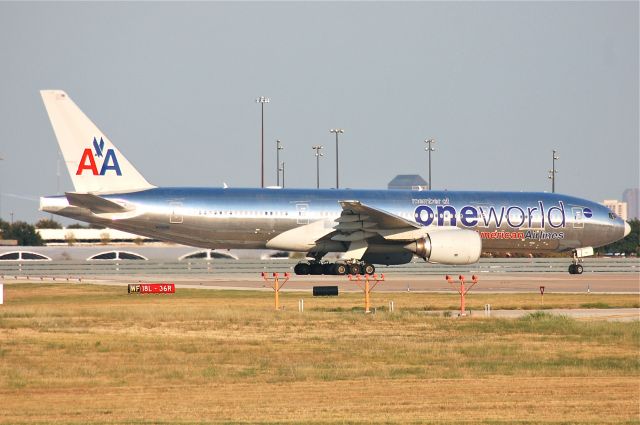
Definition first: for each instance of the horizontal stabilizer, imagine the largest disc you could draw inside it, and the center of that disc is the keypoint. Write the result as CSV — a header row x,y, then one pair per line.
x,y
95,204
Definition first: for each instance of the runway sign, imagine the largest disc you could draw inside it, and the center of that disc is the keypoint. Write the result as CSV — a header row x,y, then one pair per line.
x,y
152,288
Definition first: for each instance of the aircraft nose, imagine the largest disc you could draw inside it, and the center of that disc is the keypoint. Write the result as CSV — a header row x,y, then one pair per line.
x,y
627,229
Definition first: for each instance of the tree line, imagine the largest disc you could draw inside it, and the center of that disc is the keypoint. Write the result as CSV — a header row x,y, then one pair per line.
x,y
26,233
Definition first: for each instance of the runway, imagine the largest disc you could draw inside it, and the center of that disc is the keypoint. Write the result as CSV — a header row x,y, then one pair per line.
x,y
623,283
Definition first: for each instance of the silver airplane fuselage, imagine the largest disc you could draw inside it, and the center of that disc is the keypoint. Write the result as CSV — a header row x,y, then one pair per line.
x,y
251,218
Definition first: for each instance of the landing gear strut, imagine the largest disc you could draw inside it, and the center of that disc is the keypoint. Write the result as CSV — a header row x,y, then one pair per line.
x,y
316,267
575,267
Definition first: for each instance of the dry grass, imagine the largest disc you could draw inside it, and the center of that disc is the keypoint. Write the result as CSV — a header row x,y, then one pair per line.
x,y
81,353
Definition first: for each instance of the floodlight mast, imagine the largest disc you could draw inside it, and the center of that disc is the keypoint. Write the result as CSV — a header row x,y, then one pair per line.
x,y
429,149
553,171
262,100
279,147
337,131
318,154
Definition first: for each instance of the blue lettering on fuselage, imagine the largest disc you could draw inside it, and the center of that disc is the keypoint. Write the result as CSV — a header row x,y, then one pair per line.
x,y
513,215
469,216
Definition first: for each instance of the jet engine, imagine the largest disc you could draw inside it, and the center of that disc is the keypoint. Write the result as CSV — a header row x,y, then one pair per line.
x,y
448,246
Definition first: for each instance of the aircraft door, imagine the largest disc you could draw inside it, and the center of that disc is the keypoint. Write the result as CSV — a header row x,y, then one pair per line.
x,y
302,210
578,218
175,216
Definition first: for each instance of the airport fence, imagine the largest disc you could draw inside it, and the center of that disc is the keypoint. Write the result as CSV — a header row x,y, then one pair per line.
x,y
87,269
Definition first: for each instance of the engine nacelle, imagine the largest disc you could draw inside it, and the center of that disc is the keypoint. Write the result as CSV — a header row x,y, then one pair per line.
x,y
448,246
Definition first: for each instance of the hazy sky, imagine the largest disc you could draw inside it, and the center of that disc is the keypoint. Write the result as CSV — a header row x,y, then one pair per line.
x,y
498,85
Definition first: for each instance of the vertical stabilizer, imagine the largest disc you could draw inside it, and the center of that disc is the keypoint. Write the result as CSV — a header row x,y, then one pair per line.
x,y
95,165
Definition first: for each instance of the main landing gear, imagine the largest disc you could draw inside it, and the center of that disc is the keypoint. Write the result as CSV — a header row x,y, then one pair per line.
x,y
575,267
320,268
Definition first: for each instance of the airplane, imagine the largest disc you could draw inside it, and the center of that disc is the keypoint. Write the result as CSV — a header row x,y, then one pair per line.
x,y
369,227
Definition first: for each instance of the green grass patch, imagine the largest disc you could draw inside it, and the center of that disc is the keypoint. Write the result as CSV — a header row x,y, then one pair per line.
x,y
595,305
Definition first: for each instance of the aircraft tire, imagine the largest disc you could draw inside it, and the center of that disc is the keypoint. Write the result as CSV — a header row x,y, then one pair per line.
x,y
576,269
302,269
368,268
327,268
340,269
354,269
316,268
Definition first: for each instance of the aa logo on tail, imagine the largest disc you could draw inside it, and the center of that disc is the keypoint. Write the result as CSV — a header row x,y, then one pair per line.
x,y
88,162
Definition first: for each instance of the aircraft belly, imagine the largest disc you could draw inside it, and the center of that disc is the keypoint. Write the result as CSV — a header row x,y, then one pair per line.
x,y
228,232
207,232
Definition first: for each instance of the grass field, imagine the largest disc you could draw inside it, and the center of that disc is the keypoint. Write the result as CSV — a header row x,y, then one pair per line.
x,y
93,354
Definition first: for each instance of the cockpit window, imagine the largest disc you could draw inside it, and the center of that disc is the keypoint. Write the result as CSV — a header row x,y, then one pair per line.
x,y
612,215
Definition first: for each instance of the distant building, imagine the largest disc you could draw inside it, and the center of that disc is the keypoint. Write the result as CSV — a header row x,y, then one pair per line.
x,y
408,182
620,208
630,196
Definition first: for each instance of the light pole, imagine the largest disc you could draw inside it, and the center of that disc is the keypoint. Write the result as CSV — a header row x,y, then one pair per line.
x,y
429,149
262,100
282,169
317,148
553,171
279,147
337,131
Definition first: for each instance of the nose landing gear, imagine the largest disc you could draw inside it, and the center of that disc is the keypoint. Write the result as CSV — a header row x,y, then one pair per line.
x,y
576,267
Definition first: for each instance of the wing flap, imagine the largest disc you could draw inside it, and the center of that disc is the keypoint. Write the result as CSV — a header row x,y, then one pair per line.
x,y
382,219
359,222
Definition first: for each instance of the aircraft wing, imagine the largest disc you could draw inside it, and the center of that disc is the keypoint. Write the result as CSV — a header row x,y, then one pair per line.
x,y
358,222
